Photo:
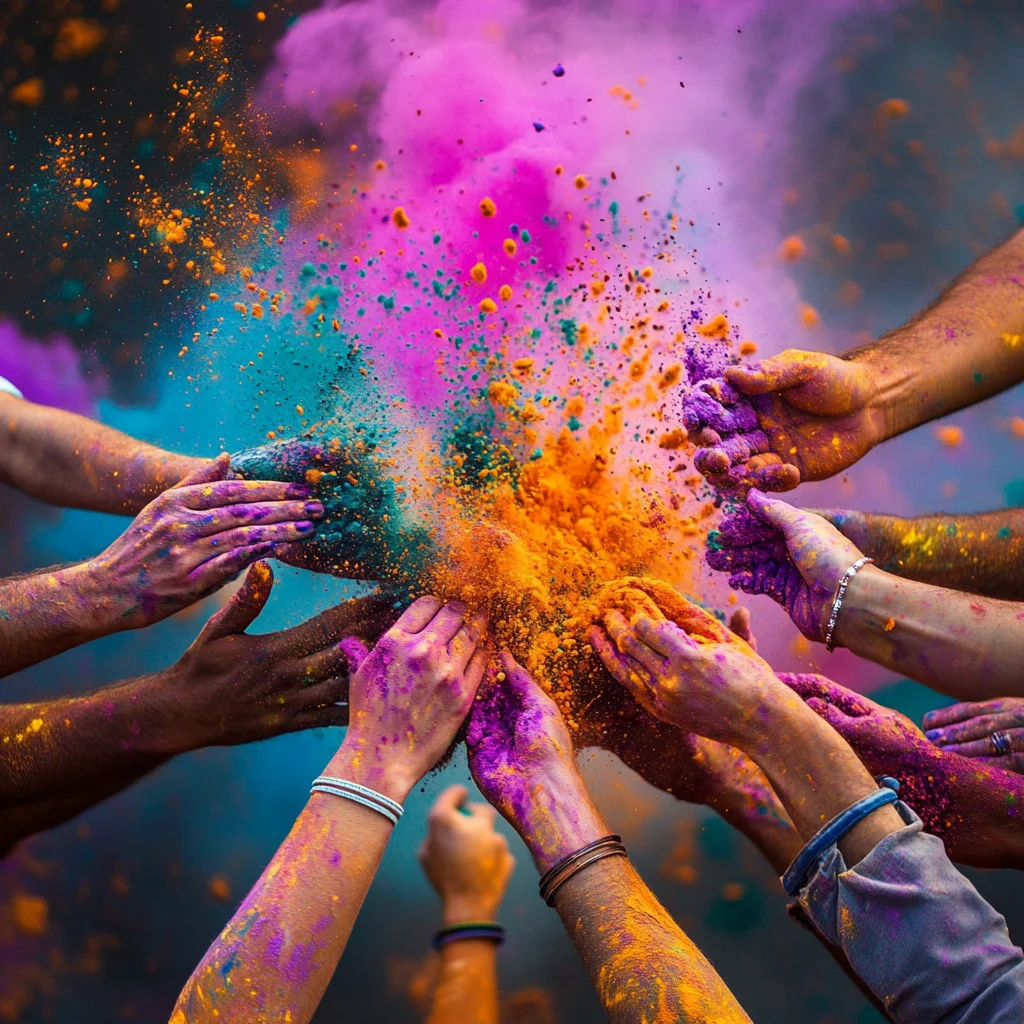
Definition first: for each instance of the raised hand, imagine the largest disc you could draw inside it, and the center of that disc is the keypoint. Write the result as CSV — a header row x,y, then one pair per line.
x,y
465,859
795,557
991,731
193,538
973,807
409,695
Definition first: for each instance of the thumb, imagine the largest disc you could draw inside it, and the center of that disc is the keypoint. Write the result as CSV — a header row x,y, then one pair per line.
x,y
739,623
778,373
777,513
245,604
216,469
830,714
450,800
355,651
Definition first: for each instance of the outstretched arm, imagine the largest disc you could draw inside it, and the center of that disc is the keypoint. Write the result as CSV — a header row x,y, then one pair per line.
x,y
641,964
981,553
59,757
65,459
408,698
960,644
819,413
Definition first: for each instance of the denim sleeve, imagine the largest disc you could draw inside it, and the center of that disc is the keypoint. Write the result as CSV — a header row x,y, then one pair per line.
x,y
916,932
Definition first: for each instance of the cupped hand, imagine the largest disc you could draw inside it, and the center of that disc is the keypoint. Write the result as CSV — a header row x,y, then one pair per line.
x,y
795,557
466,860
820,414
409,695
190,540
233,687
967,729
714,689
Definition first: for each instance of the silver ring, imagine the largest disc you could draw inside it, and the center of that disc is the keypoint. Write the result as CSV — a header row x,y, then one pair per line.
x,y
1000,743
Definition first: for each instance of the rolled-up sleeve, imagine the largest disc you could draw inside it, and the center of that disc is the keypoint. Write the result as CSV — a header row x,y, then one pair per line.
x,y
916,932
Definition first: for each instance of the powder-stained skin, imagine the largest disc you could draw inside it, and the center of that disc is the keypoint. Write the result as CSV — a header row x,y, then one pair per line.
x,y
967,729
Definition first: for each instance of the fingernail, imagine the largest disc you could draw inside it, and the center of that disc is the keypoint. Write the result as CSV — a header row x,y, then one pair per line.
x,y
933,734
305,526
314,508
298,491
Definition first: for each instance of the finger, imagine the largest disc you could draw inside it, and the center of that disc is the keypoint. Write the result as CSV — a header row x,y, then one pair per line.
x,y
711,462
739,623
215,469
973,729
664,638
201,497
359,616
325,664
628,643
245,604
319,695
319,718
830,714
983,748
633,676
474,673
449,801
781,476
215,572
809,685
245,536
416,617
778,513
1008,762
445,624
741,528
356,652
228,517
463,645
774,374
960,712
730,559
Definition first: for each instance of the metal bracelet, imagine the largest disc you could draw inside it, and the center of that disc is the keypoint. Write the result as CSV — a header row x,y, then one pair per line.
x,y
838,602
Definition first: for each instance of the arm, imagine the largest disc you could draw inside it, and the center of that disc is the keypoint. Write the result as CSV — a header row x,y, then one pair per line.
x,y
469,866
885,885
960,644
279,951
819,414
641,964
68,460
981,553
59,757
182,546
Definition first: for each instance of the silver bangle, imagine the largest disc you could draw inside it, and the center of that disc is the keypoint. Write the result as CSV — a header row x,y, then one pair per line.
x,y
838,602
390,809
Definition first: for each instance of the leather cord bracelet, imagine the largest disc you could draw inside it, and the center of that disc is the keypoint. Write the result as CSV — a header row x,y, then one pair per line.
x,y
468,930
551,881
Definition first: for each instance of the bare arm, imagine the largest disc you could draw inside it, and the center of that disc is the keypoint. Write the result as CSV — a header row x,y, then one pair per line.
x,y
981,553
641,964
275,957
69,460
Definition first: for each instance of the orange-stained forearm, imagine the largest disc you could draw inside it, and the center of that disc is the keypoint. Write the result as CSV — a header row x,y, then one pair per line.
x,y
964,348
467,989
68,460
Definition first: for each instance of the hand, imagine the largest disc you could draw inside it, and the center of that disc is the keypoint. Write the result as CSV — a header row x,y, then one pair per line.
x,y
522,759
465,859
793,556
816,413
233,687
967,729
714,689
409,695
193,538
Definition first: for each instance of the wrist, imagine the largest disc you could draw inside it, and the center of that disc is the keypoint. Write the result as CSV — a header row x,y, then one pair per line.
x,y
896,385
91,600
356,762
863,616
462,908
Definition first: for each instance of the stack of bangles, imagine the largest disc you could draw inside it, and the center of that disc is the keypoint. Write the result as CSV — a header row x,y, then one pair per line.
x,y
378,802
551,881
468,930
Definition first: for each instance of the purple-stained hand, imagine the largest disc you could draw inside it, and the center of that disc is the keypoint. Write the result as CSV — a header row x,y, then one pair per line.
x,y
193,538
733,451
409,695
967,729
976,808
522,759
795,557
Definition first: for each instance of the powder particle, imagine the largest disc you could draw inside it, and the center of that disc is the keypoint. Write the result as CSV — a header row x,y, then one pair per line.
x,y
502,393
950,436
890,625
31,92
400,218
673,439
505,292
559,168
488,207
809,316
718,327
840,243
580,181
488,306
509,245
30,913
219,888
748,348
558,71
478,272
894,108
792,249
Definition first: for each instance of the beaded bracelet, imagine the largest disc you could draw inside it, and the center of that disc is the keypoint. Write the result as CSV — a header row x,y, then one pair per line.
x,y
838,602
551,881
830,834
390,809
468,930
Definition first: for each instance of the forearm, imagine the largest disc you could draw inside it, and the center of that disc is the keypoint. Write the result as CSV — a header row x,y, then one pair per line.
x,y
51,611
960,350
965,646
102,740
68,460
467,990
980,554
277,954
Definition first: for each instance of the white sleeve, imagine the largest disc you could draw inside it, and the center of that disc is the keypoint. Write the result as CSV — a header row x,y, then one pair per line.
x,y
6,385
